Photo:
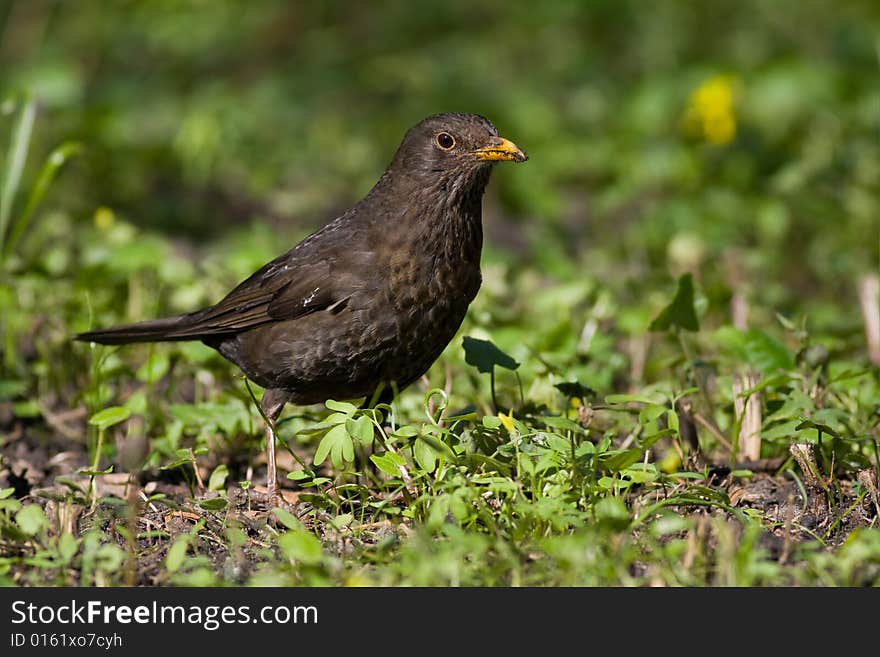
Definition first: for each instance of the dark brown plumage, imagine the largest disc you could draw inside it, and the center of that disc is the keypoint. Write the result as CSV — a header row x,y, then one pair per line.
x,y
372,298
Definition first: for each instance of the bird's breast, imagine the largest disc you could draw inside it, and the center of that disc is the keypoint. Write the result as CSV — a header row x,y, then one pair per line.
x,y
430,283
432,278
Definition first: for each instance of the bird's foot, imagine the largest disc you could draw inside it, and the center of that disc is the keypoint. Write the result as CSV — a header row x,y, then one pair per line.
x,y
264,498
273,496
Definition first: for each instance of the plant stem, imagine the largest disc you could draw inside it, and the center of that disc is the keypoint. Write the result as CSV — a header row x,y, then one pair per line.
x,y
95,463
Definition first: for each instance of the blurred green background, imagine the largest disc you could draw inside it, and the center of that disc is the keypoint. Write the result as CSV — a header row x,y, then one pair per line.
x,y
737,140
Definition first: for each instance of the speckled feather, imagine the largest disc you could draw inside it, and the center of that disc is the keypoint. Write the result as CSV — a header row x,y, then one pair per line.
x,y
374,296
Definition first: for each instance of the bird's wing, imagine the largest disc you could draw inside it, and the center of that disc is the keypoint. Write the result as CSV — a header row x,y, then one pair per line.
x,y
281,290
287,288
309,278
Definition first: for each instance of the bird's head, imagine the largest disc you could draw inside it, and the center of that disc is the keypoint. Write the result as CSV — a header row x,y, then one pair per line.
x,y
453,147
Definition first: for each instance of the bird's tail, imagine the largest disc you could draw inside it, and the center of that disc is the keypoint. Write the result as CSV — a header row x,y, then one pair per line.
x,y
177,328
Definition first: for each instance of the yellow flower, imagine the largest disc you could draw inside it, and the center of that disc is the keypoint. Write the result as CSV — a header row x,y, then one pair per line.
x,y
669,463
358,580
507,421
711,113
104,218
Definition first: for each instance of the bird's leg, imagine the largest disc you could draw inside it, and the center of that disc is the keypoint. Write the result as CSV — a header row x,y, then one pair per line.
x,y
271,473
272,403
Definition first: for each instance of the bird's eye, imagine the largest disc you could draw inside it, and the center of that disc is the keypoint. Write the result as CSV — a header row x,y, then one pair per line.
x,y
445,141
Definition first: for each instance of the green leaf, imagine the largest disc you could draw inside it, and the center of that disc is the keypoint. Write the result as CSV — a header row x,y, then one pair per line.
x,y
15,160
70,483
651,412
436,444
612,512
361,429
11,388
584,449
213,503
653,398
557,443
342,407
6,492
287,519
807,423
218,477
67,547
424,455
758,349
704,492
342,520
336,443
458,507
611,483
680,313
301,546
784,430
10,505
26,409
176,554
389,463
183,460
640,476
484,355
31,519
110,557
564,423
57,158
109,416
189,415
618,460
154,369
406,431
670,524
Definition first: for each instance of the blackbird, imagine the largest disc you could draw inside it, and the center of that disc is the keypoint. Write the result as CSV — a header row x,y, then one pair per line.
x,y
369,301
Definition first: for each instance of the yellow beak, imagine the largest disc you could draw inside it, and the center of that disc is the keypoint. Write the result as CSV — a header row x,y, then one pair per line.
x,y
501,149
